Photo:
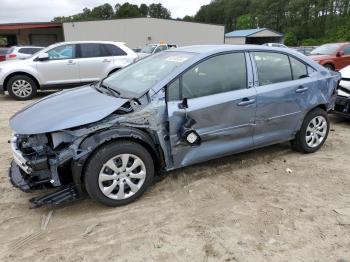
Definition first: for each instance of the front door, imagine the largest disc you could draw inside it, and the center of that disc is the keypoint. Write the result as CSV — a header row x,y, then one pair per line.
x,y
221,102
60,68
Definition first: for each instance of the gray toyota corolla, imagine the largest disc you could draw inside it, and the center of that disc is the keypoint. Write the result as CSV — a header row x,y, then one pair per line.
x,y
167,111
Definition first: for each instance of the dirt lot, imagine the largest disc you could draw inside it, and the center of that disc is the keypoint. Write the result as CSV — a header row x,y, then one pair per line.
x,y
240,208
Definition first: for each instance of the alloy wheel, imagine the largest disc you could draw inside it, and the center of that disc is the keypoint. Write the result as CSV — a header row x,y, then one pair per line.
x,y
316,131
22,88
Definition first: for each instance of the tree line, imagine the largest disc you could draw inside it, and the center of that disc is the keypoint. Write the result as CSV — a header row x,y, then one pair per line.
x,y
304,22
106,11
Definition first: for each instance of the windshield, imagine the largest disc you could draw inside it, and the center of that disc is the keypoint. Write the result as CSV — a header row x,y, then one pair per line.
x,y
138,78
148,49
328,49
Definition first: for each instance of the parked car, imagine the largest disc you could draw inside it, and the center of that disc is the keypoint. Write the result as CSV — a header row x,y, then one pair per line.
x,y
63,65
332,56
275,45
22,52
154,48
342,104
167,111
306,50
3,52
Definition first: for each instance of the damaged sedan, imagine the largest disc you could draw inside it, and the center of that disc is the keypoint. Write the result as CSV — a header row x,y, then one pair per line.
x,y
171,110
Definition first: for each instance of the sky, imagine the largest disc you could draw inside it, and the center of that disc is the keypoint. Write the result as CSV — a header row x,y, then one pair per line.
x,y
16,11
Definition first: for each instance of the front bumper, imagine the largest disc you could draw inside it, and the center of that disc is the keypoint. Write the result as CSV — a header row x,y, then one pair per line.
x,y
2,89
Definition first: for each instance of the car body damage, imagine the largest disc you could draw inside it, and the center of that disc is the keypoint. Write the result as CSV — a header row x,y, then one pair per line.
x,y
342,104
56,139
56,157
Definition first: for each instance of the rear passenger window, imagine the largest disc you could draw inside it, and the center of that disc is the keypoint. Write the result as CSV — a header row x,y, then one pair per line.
x,y
272,67
112,50
219,74
90,50
299,69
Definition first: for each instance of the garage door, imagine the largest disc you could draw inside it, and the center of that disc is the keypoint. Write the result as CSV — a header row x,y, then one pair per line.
x,y
43,40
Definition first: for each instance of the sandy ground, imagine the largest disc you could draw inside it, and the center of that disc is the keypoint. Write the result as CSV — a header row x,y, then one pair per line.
x,y
240,208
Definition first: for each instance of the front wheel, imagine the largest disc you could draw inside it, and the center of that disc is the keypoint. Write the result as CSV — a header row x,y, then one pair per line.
x,y
313,132
118,173
21,87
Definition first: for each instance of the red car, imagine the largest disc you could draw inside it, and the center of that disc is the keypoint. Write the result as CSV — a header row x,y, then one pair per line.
x,y
332,56
3,53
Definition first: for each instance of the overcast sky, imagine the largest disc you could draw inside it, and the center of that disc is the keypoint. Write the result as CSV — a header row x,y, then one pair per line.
x,y
14,11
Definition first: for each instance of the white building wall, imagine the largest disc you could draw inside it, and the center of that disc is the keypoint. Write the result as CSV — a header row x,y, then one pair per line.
x,y
235,40
136,32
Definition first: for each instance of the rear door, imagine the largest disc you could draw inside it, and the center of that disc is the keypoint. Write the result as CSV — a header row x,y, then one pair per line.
x,y
221,100
61,68
283,95
94,62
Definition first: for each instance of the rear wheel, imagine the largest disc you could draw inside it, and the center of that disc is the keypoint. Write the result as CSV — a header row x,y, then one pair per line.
x,y
329,67
21,87
118,173
313,132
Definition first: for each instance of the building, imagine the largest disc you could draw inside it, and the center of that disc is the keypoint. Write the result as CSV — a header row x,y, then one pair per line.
x,y
135,32
253,36
39,34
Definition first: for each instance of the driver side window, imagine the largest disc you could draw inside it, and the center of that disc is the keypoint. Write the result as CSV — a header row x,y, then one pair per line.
x,y
62,52
219,74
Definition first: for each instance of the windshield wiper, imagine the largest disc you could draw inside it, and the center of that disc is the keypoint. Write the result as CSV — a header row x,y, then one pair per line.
x,y
111,90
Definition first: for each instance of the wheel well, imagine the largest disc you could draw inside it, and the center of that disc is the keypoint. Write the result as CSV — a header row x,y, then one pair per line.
x,y
20,73
156,159
322,106
114,70
330,64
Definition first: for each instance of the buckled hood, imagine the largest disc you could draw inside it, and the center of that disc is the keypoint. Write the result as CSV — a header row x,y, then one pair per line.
x,y
63,110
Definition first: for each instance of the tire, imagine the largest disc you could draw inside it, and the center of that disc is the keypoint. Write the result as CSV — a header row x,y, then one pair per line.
x,y
21,87
329,67
312,127
99,174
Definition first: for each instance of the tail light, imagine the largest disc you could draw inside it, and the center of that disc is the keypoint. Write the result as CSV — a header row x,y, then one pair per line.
x,y
11,56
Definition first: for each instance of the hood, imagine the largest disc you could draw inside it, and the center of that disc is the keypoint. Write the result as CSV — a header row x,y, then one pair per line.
x,y
67,109
319,57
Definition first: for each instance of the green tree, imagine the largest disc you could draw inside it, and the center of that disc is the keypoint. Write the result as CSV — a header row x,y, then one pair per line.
x,y
127,10
244,22
144,10
159,11
290,39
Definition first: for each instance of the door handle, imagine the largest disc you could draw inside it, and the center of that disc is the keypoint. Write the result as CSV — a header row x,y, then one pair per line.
x,y
301,89
71,62
106,60
246,101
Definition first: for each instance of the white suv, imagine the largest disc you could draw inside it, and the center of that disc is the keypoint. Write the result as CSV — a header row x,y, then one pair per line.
x,y
63,65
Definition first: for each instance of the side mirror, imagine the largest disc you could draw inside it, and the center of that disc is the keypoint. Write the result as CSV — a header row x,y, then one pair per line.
x,y
340,53
183,104
43,57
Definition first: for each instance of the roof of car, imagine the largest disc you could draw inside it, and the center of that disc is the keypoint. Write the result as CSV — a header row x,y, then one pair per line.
x,y
87,42
223,48
26,46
